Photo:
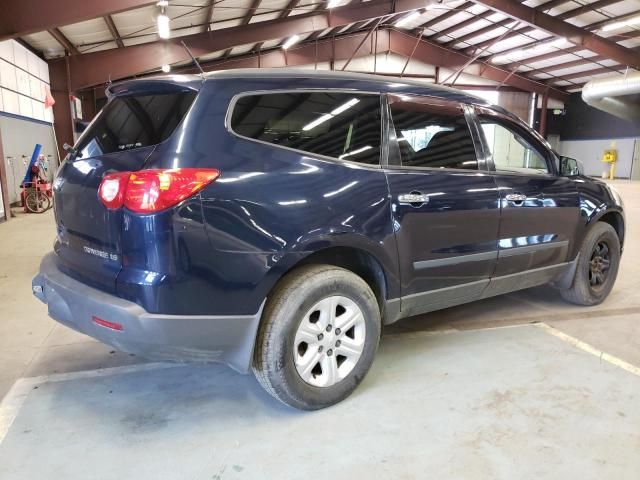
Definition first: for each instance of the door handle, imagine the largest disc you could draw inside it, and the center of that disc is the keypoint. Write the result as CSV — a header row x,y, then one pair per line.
x,y
415,199
517,198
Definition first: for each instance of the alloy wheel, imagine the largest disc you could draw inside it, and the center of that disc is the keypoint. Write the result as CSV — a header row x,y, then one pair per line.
x,y
329,341
599,264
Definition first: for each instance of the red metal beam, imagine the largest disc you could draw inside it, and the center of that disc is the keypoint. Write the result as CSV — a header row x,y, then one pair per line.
x,y
445,16
543,114
19,18
245,21
588,73
113,30
563,16
502,23
430,53
574,63
63,121
555,26
64,41
95,68
335,49
341,48
207,16
565,51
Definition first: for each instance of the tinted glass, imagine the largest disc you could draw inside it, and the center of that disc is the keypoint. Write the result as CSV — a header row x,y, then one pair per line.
x,y
432,135
135,121
339,125
510,150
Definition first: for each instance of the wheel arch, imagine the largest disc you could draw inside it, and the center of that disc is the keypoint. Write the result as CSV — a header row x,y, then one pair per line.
x,y
356,260
376,270
615,219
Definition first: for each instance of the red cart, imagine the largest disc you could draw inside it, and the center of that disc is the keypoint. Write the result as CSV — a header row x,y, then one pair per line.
x,y
36,196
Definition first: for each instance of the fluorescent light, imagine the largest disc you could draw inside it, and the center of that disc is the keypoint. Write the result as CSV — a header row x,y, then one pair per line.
x,y
291,41
355,152
334,3
317,121
164,31
163,3
166,68
624,23
329,116
344,106
409,18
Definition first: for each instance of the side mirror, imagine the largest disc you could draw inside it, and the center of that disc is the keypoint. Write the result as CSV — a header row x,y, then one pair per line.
x,y
570,167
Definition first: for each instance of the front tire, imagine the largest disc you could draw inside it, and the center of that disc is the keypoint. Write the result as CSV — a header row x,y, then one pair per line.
x,y
318,337
597,267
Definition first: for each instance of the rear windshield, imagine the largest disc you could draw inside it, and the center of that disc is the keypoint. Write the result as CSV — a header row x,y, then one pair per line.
x,y
132,122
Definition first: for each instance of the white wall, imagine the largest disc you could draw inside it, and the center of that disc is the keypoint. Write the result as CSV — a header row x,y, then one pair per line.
x,y
23,77
590,153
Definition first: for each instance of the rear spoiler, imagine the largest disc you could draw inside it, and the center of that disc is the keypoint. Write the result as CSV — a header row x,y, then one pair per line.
x,y
159,85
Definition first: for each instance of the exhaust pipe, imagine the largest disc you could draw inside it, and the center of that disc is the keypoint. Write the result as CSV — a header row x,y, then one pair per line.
x,y
619,95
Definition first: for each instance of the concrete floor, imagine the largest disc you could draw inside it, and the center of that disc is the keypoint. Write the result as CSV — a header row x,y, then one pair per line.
x,y
449,394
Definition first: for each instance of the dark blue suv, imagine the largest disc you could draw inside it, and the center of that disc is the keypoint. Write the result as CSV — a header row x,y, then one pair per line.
x,y
275,220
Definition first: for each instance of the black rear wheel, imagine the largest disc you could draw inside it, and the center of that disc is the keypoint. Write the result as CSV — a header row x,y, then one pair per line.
x,y
597,267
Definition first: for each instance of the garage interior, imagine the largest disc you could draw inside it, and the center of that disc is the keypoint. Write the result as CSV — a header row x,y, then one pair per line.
x,y
523,385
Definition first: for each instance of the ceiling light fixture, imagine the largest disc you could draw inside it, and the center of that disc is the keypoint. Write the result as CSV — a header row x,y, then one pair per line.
x,y
624,23
291,41
163,3
334,3
166,68
164,31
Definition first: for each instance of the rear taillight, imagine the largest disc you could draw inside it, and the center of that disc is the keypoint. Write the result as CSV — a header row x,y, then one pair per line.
x,y
112,189
149,191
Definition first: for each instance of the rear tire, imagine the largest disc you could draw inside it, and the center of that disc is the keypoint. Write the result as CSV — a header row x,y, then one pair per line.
x,y
597,267
302,357
37,202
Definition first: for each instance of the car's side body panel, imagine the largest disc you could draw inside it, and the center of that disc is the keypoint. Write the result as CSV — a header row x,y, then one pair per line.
x,y
216,256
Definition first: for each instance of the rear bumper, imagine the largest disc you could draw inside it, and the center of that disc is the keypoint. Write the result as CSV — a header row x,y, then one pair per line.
x,y
196,338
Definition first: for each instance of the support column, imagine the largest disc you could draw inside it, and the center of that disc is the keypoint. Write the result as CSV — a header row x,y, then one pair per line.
x,y
63,118
88,98
4,184
543,113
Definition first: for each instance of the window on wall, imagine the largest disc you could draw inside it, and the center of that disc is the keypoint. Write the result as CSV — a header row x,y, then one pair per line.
x,y
432,133
510,150
344,126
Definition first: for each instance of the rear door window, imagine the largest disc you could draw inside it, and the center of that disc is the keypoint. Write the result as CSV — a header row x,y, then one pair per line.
x,y
345,126
130,122
432,133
